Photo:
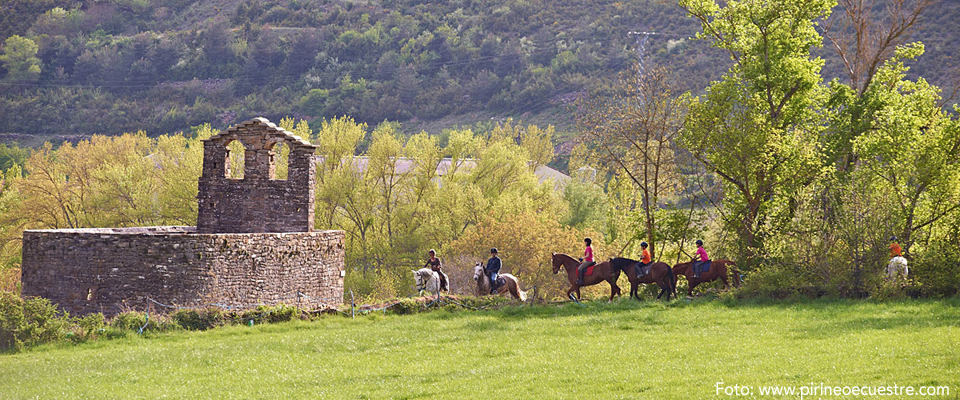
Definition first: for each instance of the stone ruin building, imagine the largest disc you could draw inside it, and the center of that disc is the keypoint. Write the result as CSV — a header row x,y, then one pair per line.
x,y
254,242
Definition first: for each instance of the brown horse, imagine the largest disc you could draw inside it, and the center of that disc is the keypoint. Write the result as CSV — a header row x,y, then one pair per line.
x,y
718,269
602,271
510,284
660,273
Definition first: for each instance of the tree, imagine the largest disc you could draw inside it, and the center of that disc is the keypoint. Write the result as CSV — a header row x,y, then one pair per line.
x,y
20,59
913,154
632,134
756,127
863,38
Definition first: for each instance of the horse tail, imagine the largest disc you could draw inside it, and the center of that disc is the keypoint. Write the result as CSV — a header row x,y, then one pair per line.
x,y
522,294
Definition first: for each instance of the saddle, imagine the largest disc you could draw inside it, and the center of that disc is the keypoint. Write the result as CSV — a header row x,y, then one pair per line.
x,y
642,271
703,268
500,282
589,270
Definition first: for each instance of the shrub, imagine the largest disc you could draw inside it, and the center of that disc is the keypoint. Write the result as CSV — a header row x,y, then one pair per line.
x,y
938,270
199,319
88,327
29,322
135,320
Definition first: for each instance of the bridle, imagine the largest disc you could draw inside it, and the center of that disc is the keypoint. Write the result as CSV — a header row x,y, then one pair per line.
x,y
421,285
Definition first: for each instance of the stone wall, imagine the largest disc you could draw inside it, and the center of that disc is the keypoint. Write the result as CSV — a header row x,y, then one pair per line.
x,y
105,270
258,202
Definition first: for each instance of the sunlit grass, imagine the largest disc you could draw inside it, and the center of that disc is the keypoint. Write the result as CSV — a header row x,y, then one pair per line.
x,y
676,350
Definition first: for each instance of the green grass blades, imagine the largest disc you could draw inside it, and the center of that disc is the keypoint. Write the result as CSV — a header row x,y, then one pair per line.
x,y
625,349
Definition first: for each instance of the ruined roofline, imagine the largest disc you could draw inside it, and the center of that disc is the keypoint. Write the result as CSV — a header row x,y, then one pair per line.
x,y
261,122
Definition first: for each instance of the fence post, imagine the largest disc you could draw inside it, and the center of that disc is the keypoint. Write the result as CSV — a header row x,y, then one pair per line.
x,y
352,305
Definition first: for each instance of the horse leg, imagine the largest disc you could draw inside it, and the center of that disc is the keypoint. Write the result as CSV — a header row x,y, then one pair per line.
x,y
723,277
693,284
514,290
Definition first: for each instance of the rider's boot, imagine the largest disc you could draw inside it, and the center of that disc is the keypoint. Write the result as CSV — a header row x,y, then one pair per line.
x,y
580,277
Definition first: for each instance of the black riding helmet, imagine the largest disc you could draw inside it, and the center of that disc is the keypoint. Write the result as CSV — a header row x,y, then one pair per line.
x,y
893,238
588,241
643,244
493,250
699,242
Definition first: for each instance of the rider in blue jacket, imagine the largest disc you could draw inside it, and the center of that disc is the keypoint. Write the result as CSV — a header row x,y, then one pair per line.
x,y
492,269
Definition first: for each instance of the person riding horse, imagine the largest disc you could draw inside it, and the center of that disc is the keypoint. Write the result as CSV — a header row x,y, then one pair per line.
x,y
493,269
645,260
697,265
434,264
895,249
586,261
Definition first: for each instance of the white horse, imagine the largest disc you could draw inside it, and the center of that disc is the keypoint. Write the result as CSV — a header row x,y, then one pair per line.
x,y
510,284
429,280
897,267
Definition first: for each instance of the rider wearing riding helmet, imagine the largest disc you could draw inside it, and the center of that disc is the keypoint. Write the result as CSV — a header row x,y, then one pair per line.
x,y
645,259
492,269
586,261
703,259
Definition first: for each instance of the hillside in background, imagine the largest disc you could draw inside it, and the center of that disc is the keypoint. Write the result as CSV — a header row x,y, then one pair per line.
x,y
113,66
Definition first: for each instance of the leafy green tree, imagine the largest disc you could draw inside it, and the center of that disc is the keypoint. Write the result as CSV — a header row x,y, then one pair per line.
x,y
914,153
20,59
757,127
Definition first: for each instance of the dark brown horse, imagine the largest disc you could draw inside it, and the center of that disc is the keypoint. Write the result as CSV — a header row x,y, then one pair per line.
x,y
718,269
660,273
602,271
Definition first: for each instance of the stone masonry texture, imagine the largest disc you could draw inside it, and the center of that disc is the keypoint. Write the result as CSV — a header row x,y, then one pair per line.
x,y
256,203
254,243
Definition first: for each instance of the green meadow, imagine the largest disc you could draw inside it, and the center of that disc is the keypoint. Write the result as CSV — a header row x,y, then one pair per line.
x,y
598,350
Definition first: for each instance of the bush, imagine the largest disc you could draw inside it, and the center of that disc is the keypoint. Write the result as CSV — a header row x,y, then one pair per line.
x,y
939,272
199,319
265,314
29,322
135,320
88,327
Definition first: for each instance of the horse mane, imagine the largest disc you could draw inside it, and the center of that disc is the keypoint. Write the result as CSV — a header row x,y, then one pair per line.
x,y
565,255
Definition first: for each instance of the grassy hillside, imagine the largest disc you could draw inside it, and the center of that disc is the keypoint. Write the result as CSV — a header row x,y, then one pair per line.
x,y
112,66
676,350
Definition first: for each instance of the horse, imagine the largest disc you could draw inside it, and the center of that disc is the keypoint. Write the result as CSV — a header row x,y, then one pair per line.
x,y
718,269
510,283
429,280
897,267
660,273
602,271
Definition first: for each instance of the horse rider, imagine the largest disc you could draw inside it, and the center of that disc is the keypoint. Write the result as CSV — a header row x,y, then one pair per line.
x,y
645,259
895,249
703,259
434,264
493,269
586,261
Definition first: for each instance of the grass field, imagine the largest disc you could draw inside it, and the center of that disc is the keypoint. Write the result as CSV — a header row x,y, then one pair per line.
x,y
677,350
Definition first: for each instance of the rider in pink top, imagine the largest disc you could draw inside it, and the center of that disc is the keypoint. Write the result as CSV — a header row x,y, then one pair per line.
x,y
586,261
703,259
